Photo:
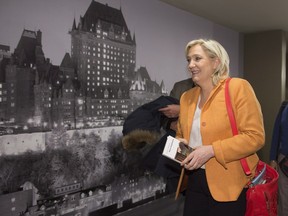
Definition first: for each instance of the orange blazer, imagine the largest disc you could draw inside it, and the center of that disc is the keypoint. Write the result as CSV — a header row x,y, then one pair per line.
x,y
225,176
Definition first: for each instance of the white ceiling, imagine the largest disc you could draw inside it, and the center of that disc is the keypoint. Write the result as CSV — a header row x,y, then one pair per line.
x,y
244,16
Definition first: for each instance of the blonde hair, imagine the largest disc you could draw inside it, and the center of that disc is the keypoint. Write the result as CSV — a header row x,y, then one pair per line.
x,y
215,51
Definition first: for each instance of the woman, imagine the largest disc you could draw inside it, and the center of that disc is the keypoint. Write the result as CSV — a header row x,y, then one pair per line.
x,y
216,180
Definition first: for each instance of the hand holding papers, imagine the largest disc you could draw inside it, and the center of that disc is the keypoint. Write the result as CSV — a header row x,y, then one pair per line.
x,y
176,150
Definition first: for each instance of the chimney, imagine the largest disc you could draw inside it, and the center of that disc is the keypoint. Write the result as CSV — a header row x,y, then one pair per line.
x,y
39,38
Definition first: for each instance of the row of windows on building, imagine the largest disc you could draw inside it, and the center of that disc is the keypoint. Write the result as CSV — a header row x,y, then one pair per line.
x,y
105,68
103,62
3,93
104,34
105,56
107,49
110,50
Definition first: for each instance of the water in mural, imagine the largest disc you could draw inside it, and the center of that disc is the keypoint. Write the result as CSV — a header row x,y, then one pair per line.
x,y
61,125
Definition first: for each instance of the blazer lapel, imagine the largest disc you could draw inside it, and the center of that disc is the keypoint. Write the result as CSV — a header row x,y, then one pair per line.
x,y
191,110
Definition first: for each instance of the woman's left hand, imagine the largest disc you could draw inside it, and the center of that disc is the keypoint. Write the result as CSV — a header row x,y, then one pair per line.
x,y
198,157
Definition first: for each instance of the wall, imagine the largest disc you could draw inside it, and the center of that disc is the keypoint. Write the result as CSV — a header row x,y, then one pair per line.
x,y
264,68
161,33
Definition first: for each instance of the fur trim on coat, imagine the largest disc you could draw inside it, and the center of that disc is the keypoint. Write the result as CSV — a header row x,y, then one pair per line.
x,y
138,139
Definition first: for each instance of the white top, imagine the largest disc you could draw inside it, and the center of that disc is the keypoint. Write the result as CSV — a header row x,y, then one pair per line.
x,y
195,135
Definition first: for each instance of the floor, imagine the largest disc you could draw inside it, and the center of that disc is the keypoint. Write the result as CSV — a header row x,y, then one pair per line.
x,y
166,206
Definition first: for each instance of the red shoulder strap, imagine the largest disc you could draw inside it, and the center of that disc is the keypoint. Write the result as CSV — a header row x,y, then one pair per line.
x,y
233,124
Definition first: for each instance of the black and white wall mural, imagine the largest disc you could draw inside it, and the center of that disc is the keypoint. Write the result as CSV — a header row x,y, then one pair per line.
x,y
71,72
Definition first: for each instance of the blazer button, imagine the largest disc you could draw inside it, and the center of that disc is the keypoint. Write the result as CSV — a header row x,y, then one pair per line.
x,y
203,124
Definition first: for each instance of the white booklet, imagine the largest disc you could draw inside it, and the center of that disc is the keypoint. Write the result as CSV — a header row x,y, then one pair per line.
x,y
176,150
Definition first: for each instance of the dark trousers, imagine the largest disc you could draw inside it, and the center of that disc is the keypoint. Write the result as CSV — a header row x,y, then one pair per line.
x,y
199,201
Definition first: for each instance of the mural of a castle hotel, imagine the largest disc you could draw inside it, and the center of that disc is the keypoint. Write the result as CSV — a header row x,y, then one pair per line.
x,y
97,85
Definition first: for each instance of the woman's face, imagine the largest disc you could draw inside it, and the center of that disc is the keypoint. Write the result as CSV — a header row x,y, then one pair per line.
x,y
201,65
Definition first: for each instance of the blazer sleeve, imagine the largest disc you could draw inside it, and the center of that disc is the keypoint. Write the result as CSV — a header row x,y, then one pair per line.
x,y
249,120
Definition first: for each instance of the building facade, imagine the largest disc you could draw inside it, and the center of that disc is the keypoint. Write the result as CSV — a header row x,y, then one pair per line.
x,y
98,84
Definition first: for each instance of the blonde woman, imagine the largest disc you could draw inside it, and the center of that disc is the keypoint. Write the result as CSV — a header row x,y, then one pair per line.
x,y
216,181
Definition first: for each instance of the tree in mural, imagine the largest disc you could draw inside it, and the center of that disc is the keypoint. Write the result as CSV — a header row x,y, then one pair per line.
x,y
7,172
41,174
83,158
58,138
28,167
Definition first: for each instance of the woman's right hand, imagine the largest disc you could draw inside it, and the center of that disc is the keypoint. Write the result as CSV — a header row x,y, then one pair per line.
x,y
198,157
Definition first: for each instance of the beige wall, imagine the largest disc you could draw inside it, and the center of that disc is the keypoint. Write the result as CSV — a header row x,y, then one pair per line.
x,y
265,68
